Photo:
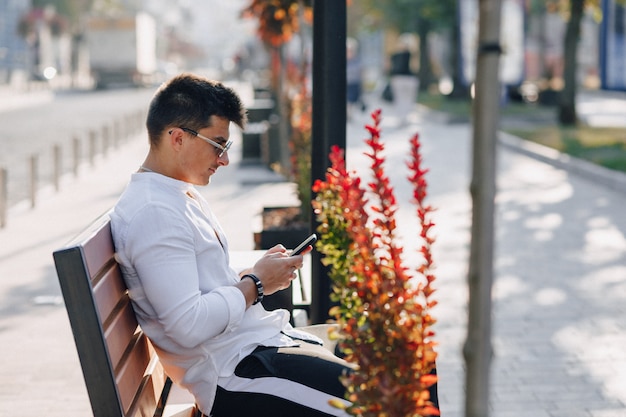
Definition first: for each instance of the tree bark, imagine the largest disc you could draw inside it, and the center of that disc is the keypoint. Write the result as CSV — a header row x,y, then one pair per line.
x,y
478,350
459,89
425,72
567,99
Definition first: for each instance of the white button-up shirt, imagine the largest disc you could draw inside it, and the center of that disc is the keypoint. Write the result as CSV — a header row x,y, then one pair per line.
x,y
174,258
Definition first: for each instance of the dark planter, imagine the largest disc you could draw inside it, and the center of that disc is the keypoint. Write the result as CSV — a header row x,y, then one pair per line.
x,y
260,110
549,97
255,143
282,225
281,299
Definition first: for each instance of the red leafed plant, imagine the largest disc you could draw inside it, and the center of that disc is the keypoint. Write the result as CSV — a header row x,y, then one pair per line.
x,y
383,307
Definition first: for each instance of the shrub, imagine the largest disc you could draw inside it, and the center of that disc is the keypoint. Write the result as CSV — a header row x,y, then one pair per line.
x,y
382,309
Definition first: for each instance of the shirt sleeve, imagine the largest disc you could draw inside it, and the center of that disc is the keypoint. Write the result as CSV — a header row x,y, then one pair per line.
x,y
161,247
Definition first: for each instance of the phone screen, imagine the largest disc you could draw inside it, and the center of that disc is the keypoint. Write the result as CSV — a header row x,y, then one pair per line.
x,y
302,246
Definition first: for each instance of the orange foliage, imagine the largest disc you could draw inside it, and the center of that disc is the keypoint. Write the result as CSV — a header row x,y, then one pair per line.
x,y
278,19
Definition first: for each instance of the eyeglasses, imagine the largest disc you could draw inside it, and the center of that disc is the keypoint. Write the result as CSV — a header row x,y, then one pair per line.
x,y
222,148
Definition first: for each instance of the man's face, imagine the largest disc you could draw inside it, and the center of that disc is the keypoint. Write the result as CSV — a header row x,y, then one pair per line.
x,y
199,159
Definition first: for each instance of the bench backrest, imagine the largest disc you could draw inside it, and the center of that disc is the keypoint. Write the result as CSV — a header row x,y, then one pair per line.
x,y
122,372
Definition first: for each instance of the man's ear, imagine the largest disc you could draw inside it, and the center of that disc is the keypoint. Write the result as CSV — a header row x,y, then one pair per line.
x,y
175,138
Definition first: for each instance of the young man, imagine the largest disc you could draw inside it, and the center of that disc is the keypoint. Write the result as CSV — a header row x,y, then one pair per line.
x,y
211,333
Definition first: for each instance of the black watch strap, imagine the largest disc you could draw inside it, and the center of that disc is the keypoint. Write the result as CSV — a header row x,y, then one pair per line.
x,y
259,287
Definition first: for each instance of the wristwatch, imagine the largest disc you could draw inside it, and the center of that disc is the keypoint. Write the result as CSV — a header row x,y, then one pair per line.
x,y
259,287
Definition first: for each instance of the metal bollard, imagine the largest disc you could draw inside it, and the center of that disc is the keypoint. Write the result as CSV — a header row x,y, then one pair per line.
x,y
3,197
92,147
128,127
57,167
76,147
105,140
116,134
33,180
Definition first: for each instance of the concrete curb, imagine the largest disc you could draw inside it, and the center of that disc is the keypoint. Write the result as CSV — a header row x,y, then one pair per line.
x,y
615,180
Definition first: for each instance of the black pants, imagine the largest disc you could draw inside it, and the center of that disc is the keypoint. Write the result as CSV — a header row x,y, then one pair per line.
x,y
275,382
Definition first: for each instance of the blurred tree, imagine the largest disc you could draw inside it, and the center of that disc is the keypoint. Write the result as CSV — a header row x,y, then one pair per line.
x,y
573,12
567,100
75,9
421,17
278,22
278,19
112,7
71,9
567,103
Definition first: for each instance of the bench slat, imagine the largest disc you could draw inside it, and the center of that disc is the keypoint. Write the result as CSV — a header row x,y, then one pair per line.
x,y
132,370
108,290
98,249
180,403
146,400
120,332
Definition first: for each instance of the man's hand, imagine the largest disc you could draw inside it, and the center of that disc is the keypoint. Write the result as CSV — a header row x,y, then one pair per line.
x,y
276,269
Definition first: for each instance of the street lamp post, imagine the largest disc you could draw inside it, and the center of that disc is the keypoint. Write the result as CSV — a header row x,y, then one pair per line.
x,y
329,120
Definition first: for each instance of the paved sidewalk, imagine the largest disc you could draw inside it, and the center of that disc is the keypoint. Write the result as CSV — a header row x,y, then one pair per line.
x,y
559,296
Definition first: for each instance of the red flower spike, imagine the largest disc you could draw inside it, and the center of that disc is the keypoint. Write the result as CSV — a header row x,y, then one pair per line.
x,y
380,310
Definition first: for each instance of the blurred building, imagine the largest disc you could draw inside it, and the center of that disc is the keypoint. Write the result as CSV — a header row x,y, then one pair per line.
x,y
191,34
15,60
199,33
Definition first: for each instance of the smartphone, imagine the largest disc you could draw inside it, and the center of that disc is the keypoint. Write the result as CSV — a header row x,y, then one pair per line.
x,y
305,243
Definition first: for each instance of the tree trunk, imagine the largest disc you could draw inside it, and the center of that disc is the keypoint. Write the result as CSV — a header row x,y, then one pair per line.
x,y
425,72
567,100
477,349
459,89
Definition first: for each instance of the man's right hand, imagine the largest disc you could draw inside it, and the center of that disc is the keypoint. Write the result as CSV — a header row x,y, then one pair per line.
x,y
276,269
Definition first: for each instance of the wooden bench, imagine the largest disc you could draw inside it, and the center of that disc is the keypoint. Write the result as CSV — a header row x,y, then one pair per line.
x,y
122,372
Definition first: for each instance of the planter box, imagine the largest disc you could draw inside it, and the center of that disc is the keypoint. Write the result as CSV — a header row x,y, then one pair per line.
x,y
260,110
255,144
282,225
